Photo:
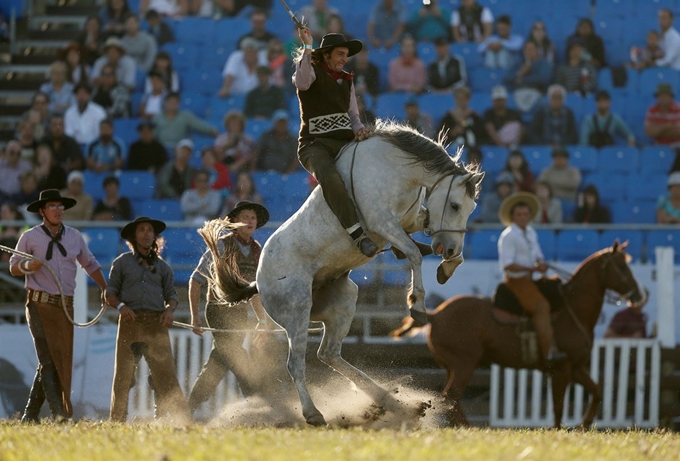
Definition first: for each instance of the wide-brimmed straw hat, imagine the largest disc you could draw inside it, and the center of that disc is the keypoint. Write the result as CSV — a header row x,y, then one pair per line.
x,y
51,195
334,40
128,232
505,209
261,212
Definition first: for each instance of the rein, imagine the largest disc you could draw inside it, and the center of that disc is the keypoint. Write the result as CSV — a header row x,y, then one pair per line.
x,y
61,290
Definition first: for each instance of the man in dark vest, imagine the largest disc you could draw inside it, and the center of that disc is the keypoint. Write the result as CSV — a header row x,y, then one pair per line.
x,y
471,22
330,119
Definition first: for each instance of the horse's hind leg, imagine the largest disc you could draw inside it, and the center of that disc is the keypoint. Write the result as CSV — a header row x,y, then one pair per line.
x,y
582,376
335,305
559,379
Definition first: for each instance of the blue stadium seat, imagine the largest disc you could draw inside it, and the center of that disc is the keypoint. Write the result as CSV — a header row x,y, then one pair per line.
x,y
94,184
656,159
214,57
195,31
650,8
391,105
220,106
126,129
269,184
228,31
484,244
165,209
481,102
635,240
483,79
436,105
135,101
493,159
618,159
426,52
103,243
615,8
263,234
663,238
363,277
137,185
468,51
296,186
611,186
634,212
647,187
204,81
576,245
583,157
538,157
610,27
140,80
546,238
651,77
183,56
255,127
195,103
568,209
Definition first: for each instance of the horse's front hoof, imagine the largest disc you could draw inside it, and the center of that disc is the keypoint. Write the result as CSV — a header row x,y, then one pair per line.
x,y
442,278
419,318
316,420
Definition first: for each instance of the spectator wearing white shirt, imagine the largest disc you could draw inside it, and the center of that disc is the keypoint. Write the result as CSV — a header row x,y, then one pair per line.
x,y
240,71
670,41
81,120
471,22
152,102
139,45
502,50
114,54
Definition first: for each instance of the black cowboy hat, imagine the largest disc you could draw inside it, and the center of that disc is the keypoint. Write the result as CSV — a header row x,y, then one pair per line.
x,y
128,231
330,41
51,195
260,210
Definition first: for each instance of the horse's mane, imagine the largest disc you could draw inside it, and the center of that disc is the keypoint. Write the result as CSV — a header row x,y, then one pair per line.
x,y
432,155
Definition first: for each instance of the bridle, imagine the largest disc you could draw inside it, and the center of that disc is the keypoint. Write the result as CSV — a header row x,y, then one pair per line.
x,y
426,223
611,296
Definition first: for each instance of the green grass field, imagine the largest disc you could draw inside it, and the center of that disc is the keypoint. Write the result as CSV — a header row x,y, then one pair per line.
x,y
103,441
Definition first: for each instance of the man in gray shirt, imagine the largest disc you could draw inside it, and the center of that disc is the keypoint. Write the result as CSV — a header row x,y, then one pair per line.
x,y
142,288
140,45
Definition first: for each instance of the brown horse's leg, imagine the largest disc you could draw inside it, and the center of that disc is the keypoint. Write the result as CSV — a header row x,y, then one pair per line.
x,y
459,372
582,376
559,379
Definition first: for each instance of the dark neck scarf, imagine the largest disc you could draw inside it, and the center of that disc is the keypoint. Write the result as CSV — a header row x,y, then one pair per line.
x,y
337,75
255,249
55,239
149,259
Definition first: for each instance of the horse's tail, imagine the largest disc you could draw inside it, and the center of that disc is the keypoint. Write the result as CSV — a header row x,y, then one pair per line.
x,y
407,326
226,281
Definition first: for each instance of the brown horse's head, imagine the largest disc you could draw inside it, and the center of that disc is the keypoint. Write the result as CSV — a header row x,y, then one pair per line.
x,y
617,276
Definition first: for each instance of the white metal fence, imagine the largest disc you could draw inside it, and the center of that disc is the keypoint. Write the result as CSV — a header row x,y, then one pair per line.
x,y
627,371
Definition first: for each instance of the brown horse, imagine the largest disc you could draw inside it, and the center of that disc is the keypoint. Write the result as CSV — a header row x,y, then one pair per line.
x,y
466,331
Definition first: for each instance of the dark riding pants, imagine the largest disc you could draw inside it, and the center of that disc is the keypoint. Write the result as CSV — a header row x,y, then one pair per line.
x,y
318,157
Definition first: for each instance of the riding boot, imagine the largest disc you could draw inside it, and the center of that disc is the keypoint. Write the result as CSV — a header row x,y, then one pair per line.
x,y
36,398
52,389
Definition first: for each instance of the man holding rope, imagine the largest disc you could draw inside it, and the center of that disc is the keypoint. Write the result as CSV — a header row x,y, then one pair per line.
x,y
227,352
49,307
142,287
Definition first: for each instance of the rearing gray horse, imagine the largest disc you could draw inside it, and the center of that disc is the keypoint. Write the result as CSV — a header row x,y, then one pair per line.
x,y
304,268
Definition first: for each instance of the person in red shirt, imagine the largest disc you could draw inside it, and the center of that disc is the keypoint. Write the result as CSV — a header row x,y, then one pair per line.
x,y
628,323
662,121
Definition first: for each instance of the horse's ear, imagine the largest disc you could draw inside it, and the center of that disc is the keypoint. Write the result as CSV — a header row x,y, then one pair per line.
x,y
624,245
474,178
615,247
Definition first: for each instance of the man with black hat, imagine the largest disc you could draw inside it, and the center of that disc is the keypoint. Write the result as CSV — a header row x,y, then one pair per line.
x,y
142,288
329,120
59,247
520,256
227,353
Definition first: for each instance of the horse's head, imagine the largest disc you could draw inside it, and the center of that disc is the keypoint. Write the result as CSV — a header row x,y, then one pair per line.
x,y
618,277
449,204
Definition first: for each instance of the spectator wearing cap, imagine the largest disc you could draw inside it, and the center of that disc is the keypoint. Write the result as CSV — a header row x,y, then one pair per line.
x,y
503,125
601,128
471,22
386,23
503,49
158,28
106,153
65,149
113,206
504,186
200,203
59,90
177,176
407,71
112,96
416,119
258,30
75,189
670,41
668,206
590,210
554,123
240,71
82,119
265,99
138,44
146,153
591,42
447,71
366,74
125,67
564,180
461,125
277,147
173,124
152,101
11,168
577,75
662,121
430,22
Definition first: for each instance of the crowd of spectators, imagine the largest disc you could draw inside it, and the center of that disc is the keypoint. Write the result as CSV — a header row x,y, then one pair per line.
x,y
120,67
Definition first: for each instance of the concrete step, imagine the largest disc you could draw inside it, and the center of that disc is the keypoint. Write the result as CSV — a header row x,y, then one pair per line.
x,y
13,110
15,85
36,21
36,59
25,69
42,44
76,10
50,34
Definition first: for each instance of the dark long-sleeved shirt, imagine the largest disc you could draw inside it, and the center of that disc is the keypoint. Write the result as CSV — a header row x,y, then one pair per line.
x,y
139,287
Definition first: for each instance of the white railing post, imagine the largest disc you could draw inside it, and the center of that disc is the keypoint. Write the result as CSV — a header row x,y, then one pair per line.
x,y
665,279
80,306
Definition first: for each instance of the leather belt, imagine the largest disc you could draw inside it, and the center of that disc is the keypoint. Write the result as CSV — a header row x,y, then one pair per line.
x,y
46,298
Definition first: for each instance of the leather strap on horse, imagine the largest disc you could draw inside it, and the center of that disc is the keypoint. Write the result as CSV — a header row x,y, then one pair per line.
x,y
581,328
